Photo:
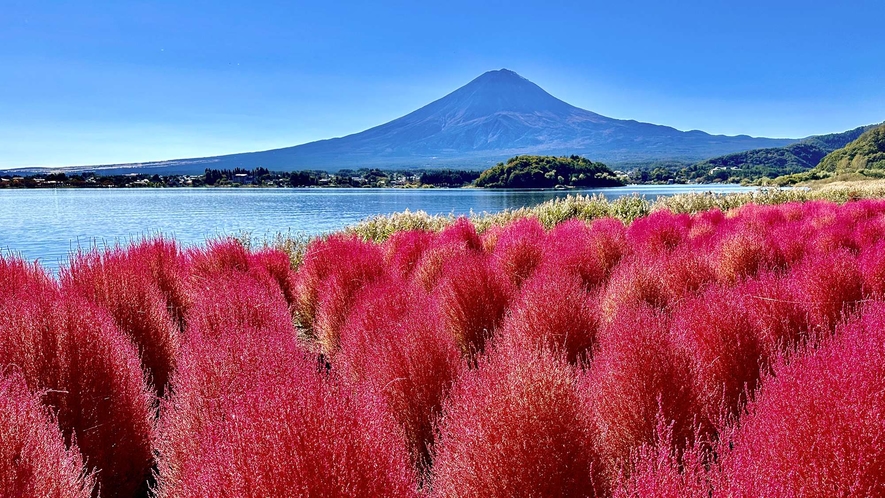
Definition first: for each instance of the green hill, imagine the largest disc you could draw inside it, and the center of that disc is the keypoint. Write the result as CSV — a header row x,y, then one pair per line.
x,y
861,159
776,161
865,153
547,172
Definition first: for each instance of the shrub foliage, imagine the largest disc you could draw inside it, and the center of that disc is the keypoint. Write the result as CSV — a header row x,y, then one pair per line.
x,y
711,354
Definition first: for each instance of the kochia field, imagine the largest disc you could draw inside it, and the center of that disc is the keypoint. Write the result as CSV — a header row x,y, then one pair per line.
x,y
736,354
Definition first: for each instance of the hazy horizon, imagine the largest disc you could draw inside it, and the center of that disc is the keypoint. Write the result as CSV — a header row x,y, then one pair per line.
x,y
105,83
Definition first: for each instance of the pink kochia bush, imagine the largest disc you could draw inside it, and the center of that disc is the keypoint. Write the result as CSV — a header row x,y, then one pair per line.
x,y
636,379
817,427
473,298
396,347
715,334
333,270
252,414
661,470
588,251
519,249
33,458
121,281
90,371
555,311
515,426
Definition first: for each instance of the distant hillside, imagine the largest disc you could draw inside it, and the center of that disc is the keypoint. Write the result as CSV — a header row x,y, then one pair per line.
x,y
863,158
867,152
547,172
775,161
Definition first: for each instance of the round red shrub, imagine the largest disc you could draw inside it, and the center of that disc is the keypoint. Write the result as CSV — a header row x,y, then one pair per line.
x,y
741,255
713,331
395,346
90,371
659,232
251,413
352,261
588,251
553,310
33,458
776,312
636,280
636,377
169,270
403,250
515,427
239,335
279,266
830,285
121,282
664,471
519,249
462,234
817,426
473,298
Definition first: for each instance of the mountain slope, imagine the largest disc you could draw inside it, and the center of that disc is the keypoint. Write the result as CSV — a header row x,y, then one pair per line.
x,y
794,158
865,153
497,115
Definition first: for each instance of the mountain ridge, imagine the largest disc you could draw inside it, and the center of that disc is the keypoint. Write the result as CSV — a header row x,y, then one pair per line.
x,y
497,115
795,158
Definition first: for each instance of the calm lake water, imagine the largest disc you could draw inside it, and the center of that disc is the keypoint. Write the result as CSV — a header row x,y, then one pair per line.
x,y
46,225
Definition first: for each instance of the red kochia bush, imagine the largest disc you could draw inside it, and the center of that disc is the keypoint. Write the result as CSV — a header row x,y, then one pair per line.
x,y
456,241
829,284
473,298
403,250
169,270
817,428
302,435
871,263
222,256
19,278
776,310
589,251
121,282
635,377
714,333
279,267
33,457
347,259
569,248
90,371
519,249
395,346
658,233
741,255
251,415
663,471
239,334
553,310
462,233
686,271
515,427
636,280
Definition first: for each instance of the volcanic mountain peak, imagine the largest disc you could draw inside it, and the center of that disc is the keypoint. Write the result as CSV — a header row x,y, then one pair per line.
x,y
497,115
501,91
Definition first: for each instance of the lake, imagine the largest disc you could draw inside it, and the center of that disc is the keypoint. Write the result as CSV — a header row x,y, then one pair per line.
x,y
47,224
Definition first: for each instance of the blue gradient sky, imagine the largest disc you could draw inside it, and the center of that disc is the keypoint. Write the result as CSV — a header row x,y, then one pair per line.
x,y
102,82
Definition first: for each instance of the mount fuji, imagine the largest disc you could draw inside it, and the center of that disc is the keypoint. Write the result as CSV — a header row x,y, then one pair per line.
x,y
497,115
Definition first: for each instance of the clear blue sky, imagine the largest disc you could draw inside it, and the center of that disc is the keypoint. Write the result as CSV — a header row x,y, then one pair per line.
x,y
95,82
